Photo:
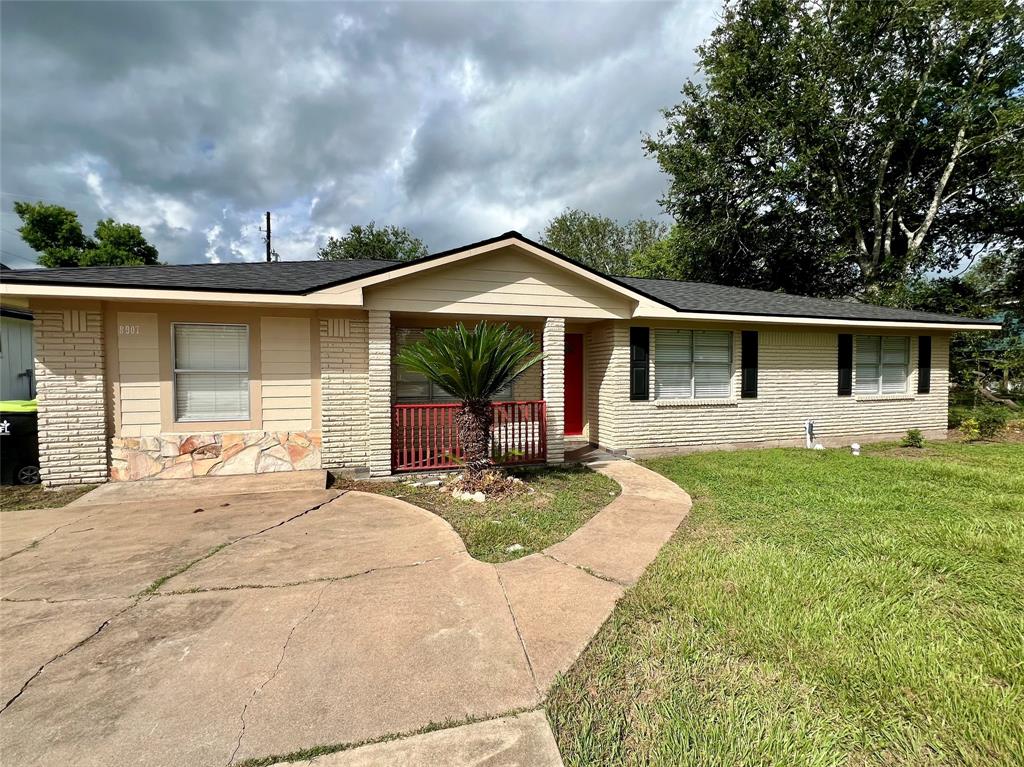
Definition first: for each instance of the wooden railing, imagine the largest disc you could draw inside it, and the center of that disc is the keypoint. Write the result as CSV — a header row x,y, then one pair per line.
x,y
424,437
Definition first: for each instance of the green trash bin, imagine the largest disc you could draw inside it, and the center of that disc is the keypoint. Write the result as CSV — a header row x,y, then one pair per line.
x,y
19,442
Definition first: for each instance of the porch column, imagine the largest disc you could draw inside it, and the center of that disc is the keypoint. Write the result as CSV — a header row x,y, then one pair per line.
x,y
70,391
554,386
378,398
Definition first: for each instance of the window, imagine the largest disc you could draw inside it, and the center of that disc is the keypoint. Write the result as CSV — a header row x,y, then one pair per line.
x,y
882,364
692,364
211,372
413,388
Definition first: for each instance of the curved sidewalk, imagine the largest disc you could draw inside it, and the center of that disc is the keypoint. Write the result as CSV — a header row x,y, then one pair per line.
x,y
237,627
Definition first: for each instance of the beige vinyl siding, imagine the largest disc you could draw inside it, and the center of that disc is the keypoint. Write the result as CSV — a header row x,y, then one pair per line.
x,y
286,371
137,390
797,380
506,283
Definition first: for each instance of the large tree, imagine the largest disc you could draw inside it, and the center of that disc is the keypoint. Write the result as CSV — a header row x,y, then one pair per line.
x,y
601,242
388,243
839,146
56,234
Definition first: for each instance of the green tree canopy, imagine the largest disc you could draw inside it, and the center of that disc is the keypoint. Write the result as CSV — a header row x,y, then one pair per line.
x,y
56,234
388,243
601,242
839,147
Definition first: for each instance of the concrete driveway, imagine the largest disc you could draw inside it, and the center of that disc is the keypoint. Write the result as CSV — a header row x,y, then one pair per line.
x,y
212,623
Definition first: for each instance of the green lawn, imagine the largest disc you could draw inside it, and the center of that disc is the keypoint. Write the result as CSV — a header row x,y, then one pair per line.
x,y
818,609
563,499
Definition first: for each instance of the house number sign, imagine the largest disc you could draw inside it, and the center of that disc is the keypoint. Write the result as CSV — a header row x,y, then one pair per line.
x,y
129,330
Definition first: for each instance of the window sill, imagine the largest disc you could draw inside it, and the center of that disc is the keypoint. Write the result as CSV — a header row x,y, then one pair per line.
x,y
727,402
883,397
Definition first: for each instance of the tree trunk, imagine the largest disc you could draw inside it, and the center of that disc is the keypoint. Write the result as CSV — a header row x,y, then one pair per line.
x,y
474,424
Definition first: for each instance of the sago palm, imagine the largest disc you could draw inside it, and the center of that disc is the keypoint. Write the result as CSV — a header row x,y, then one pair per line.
x,y
472,366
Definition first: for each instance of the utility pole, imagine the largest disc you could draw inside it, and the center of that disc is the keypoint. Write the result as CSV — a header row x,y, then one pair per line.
x,y
268,237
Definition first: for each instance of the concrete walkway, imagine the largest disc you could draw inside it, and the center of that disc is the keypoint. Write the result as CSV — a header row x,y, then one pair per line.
x,y
211,629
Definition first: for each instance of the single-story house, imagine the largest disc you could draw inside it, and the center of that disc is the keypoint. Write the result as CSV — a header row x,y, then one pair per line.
x,y
194,370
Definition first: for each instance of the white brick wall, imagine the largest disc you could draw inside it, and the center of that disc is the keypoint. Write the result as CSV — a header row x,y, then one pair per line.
x,y
69,370
343,387
797,380
378,399
554,386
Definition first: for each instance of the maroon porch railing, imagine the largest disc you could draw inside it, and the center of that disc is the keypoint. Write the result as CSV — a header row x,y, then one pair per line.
x,y
424,437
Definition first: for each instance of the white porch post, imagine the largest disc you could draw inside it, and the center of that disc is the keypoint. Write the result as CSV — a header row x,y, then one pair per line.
x,y
378,398
70,390
554,386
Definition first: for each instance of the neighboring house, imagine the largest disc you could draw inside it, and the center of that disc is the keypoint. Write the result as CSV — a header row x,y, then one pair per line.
x,y
180,371
16,354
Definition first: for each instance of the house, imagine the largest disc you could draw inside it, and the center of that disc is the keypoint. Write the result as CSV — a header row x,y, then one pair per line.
x,y
181,371
16,354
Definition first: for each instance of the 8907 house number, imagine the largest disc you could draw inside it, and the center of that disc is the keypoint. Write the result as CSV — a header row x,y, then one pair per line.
x,y
129,330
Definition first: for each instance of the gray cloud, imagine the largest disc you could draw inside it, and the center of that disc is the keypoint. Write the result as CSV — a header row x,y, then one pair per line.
x,y
457,120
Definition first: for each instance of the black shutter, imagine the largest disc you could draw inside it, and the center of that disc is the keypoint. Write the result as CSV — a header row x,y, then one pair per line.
x,y
924,364
845,364
639,363
748,362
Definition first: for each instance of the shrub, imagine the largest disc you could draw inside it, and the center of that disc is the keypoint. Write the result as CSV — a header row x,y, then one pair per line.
x,y
969,428
991,419
913,438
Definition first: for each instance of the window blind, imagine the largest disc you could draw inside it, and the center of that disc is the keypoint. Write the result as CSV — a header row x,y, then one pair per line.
x,y
692,364
881,364
211,372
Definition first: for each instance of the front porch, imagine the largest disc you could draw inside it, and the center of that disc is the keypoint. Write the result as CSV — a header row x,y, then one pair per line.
x,y
528,418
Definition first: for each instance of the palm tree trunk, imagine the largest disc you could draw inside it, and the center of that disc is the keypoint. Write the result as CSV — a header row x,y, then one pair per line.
x,y
474,424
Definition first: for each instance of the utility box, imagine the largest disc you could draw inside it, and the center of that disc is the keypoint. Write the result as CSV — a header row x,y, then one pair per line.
x,y
19,442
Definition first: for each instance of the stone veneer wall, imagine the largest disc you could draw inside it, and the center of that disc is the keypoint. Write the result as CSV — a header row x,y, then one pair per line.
x,y
178,456
69,370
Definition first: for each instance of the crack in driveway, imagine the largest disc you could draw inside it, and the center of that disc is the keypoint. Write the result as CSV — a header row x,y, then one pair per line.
x,y
284,650
37,541
147,592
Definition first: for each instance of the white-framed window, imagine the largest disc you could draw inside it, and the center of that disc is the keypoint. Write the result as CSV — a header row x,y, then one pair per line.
x,y
882,364
211,372
414,388
692,364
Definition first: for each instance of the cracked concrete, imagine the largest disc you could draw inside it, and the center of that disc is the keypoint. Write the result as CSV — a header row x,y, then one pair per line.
x,y
189,630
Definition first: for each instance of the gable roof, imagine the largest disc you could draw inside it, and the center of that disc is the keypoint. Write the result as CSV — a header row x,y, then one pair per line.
x,y
306,277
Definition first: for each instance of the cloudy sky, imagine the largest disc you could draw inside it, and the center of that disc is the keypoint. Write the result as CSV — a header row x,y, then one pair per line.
x,y
458,121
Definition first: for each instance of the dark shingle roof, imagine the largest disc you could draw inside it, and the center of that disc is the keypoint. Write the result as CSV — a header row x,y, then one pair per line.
x,y
301,277
707,298
254,277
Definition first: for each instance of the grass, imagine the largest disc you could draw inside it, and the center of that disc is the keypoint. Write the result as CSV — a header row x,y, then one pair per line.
x,y
20,497
818,609
563,499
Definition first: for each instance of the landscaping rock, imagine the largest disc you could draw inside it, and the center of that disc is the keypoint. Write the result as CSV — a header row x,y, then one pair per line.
x,y
514,548
478,497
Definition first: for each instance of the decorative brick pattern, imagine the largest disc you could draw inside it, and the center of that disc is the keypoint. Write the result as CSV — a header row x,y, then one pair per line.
x,y
70,382
378,399
343,391
554,386
179,456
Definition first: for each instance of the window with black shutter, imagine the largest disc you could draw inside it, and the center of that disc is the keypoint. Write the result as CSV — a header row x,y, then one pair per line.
x,y
639,363
845,364
924,364
748,354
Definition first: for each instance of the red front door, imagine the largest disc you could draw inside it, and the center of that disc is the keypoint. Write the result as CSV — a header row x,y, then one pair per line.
x,y
573,384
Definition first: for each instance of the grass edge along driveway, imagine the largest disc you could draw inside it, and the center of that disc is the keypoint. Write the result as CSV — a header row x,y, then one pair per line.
x,y
818,609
